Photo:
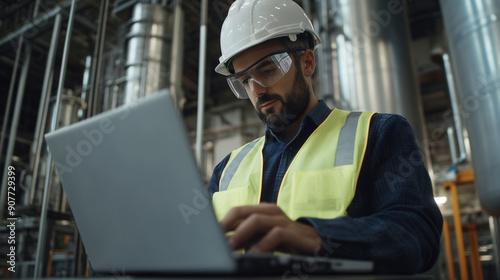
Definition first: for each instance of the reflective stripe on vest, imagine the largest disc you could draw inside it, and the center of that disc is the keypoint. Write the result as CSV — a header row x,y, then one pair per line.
x,y
345,147
320,181
233,166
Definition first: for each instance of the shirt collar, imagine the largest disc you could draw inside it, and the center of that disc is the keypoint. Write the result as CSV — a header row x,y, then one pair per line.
x,y
316,117
318,114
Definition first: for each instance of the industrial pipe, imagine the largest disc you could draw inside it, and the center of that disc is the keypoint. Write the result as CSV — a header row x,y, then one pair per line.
x,y
96,60
473,32
201,81
11,91
55,116
462,157
451,143
148,52
325,52
375,59
43,107
177,56
13,126
40,21
495,238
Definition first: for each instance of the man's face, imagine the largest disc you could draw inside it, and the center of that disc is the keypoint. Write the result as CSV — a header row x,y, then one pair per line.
x,y
285,101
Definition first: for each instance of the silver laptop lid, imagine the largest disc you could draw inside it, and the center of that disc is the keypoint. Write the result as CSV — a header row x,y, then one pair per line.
x,y
136,193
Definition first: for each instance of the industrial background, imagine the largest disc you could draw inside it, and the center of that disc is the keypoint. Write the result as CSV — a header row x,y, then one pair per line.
x,y
435,62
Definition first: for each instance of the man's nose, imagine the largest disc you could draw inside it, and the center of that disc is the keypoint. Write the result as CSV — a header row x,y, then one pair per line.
x,y
256,88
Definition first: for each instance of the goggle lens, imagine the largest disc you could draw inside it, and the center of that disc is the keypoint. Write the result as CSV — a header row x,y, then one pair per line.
x,y
265,72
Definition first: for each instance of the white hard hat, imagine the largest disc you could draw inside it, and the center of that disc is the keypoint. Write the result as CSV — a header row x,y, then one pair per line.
x,y
251,22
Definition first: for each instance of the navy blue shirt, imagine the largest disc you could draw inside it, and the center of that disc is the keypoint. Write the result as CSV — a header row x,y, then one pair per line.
x,y
392,219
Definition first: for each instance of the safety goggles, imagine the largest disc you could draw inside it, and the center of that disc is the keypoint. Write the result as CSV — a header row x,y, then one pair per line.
x,y
265,72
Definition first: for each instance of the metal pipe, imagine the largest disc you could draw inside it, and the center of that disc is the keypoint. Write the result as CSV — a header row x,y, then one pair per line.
x,y
495,237
13,126
55,117
201,81
11,91
86,78
473,33
40,21
462,157
451,142
96,60
148,53
347,83
324,51
35,13
145,62
44,105
376,52
177,56
35,10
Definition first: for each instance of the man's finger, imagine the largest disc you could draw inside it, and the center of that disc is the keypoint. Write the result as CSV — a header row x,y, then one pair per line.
x,y
254,226
272,240
294,240
234,217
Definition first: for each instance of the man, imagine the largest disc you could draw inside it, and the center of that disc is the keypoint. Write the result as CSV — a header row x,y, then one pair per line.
x,y
320,182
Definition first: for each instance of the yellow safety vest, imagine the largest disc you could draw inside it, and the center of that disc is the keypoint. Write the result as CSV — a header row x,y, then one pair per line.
x,y
320,181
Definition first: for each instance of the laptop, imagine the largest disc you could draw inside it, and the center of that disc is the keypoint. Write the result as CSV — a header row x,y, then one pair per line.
x,y
140,203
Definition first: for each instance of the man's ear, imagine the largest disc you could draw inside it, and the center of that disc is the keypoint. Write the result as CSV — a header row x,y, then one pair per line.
x,y
308,63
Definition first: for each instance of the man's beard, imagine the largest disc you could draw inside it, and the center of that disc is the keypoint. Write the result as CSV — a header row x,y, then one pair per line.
x,y
292,110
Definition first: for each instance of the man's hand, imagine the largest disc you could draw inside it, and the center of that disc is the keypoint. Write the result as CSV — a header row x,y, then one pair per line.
x,y
266,228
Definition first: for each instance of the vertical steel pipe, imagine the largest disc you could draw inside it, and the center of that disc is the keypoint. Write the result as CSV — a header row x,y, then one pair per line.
x,y
96,60
43,215
347,79
325,51
451,141
86,78
43,107
376,58
495,236
457,119
473,32
11,91
177,56
35,10
148,51
201,81
13,126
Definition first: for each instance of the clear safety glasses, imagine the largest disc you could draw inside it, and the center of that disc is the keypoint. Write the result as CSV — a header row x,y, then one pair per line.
x,y
265,72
